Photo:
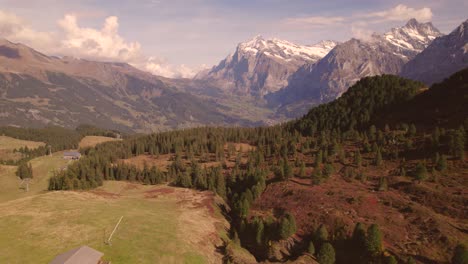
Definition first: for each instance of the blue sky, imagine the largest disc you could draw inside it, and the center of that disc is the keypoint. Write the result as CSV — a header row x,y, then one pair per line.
x,y
177,37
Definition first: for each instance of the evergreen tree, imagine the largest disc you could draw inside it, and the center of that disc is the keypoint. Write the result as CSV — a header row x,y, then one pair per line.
x,y
259,230
391,260
460,255
378,158
319,158
358,240
284,230
358,159
326,254
311,248
292,224
374,240
287,169
302,172
24,171
329,169
420,172
442,163
321,235
383,184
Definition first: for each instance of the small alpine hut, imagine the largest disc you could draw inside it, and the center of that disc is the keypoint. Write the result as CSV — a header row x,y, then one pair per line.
x,y
71,155
80,255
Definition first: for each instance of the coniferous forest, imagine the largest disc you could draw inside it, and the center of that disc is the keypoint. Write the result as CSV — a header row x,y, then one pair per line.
x,y
345,137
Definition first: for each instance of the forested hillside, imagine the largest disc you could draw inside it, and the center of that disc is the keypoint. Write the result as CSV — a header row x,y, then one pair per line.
x,y
356,107
389,185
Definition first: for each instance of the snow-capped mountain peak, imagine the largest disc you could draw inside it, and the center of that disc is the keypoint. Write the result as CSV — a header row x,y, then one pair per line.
x,y
414,36
260,66
285,50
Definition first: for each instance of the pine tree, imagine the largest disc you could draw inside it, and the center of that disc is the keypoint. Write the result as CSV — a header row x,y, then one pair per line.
x,y
374,241
460,255
321,235
358,159
326,254
359,240
442,163
292,224
391,260
420,172
259,230
284,228
378,158
311,248
287,169
329,169
319,158
383,184
302,172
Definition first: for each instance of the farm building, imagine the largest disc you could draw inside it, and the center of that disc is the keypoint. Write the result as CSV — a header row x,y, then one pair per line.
x,y
71,155
80,255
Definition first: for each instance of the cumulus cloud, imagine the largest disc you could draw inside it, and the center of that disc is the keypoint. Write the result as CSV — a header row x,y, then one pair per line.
x,y
157,67
104,44
401,13
16,29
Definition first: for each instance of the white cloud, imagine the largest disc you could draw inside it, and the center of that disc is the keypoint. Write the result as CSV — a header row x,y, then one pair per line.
x,y
157,67
103,44
402,13
359,31
16,29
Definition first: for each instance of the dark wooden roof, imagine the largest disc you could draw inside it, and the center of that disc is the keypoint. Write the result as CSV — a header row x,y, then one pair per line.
x,y
72,153
80,255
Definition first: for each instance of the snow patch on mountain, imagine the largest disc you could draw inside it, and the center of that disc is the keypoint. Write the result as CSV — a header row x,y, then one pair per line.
x,y
285,50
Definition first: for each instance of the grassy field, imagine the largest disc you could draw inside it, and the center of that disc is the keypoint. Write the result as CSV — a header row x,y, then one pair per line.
x,y
43,168
91,141
8,144
160,225
13,143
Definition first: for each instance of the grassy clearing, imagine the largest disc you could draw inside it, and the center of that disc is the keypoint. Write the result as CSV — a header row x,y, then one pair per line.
x,y
163,162
8,144
174,226
91,141
43,168
13,143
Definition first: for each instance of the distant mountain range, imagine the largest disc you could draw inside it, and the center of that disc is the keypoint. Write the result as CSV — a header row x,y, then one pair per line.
x,y
443,57
262,66
38,90
350,61
265,81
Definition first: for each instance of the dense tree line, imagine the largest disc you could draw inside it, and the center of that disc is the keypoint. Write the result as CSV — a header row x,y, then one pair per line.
x,y
356,107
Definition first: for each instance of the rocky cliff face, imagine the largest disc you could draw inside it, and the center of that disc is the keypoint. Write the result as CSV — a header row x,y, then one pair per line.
x,y
262,66
443,57
350,61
